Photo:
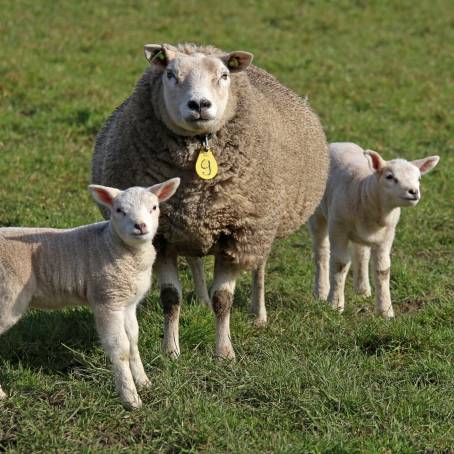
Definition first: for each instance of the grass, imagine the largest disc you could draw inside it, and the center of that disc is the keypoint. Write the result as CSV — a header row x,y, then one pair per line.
x,y
378,73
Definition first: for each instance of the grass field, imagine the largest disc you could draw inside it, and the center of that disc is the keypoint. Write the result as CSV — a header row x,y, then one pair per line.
x,y
378,73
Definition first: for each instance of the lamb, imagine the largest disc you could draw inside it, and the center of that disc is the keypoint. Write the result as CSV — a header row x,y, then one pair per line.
x,y
106,265
361,205
270,171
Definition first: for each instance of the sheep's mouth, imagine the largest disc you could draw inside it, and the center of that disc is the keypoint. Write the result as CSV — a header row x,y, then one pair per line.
x,y
411,199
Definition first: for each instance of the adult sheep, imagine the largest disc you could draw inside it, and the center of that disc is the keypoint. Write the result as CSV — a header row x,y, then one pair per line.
x,y
271,155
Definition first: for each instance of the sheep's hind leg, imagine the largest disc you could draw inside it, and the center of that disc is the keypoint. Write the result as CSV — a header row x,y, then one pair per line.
x,y
111,329
171,296
360,262
198,275
339,265
135,362
321,252
258,307
381,262
225,274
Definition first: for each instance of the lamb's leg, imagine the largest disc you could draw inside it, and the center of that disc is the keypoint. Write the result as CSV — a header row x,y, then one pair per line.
x,y
225,274
339,265
135,363
258,307
110,325
198,275
12,307
360,262
381,262
320,247
171,296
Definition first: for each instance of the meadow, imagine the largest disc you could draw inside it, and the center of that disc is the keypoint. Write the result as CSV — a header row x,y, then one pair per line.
x,y
379,74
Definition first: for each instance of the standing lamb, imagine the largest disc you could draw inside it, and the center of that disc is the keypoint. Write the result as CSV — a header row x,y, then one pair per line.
x,y
262,178
361,205
105,265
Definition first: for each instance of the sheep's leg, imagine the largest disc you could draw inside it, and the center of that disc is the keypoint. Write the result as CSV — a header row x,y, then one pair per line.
x,y
360,262
110,325
12,307
381,261
135,362
171,296
321,251
258,307
198,275
225,274
339,265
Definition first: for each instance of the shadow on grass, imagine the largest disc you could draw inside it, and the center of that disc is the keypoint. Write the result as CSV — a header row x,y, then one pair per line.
x,y
45,340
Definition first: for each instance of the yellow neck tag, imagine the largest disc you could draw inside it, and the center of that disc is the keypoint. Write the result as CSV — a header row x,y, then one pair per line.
x,y
206,166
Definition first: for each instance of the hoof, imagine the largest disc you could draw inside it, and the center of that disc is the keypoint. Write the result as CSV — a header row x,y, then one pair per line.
x,y
387,314
2,394
322,296
226,355
144,384
133,404
260,322
364,292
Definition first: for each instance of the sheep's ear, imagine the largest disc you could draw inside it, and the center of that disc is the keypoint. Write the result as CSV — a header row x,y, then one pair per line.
x,y
158,55
237,61
164,191
103,194
376,162
427,164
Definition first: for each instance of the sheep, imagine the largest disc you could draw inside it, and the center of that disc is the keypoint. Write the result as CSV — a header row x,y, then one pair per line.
x,y
361,205
106,265
272,164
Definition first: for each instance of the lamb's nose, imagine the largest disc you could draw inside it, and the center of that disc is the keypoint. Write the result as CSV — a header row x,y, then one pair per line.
x,y
205,103
142,227
194,105
198,106
413,192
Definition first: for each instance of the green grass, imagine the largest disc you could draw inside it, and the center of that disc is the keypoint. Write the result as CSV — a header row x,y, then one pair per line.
x,y
378,73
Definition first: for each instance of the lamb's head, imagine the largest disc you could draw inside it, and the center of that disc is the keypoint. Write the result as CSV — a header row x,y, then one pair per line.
x,y
399,179
135,211
196,86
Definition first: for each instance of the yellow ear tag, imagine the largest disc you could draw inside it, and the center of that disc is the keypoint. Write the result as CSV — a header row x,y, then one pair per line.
x,y
206,166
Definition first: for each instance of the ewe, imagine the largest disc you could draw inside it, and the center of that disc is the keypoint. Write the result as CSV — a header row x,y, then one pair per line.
x,y
270,171
361,205
106,265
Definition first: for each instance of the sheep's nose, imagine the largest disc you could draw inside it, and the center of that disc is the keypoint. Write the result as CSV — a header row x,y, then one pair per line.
x,y
198,106
413,192
142,227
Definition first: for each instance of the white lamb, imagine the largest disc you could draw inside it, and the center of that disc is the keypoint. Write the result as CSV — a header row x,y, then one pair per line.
x,y
361,205
106,265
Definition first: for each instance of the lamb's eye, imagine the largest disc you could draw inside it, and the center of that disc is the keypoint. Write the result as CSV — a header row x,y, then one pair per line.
x,y
171,75
154,208
389,176
225,76
119,210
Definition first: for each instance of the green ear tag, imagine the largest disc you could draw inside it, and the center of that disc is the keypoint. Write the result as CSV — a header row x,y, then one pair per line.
x,y
206,166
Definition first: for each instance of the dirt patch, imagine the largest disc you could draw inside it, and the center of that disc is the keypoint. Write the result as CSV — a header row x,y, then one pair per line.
x,y
412,306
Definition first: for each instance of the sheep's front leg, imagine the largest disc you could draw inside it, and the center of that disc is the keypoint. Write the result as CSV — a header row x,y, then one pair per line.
x,y
171,296
320,248
360,261
135,362
339,265
225,274
111,329
258,307
198,275
381,261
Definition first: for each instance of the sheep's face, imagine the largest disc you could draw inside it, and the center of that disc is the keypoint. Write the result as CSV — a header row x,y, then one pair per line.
x,y
135,211
399,179
196,87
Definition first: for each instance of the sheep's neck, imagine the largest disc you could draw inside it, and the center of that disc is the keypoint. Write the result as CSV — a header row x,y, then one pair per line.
x,y
373,203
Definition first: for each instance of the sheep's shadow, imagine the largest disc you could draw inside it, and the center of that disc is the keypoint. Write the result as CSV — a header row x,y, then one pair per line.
x,y
48,341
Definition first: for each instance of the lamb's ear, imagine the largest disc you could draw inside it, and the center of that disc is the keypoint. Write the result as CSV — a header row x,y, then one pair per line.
x,y
165,190
427,164
376,162
103,194
237,61
158,55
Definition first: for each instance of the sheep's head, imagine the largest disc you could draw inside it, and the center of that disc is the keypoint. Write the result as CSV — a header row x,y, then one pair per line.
x,y
399,179
196,86
134,213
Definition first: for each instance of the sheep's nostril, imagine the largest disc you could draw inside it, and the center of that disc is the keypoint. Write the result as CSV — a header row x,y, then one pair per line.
x,y
194,105
205,103
412,191
142,227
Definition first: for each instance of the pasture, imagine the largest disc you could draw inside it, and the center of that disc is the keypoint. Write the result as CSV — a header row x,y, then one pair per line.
x,y
379,74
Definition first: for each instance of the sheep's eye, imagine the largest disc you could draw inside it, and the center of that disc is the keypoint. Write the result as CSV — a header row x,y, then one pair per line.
x,y
171,75
389,176
154,208
119,210
225,76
